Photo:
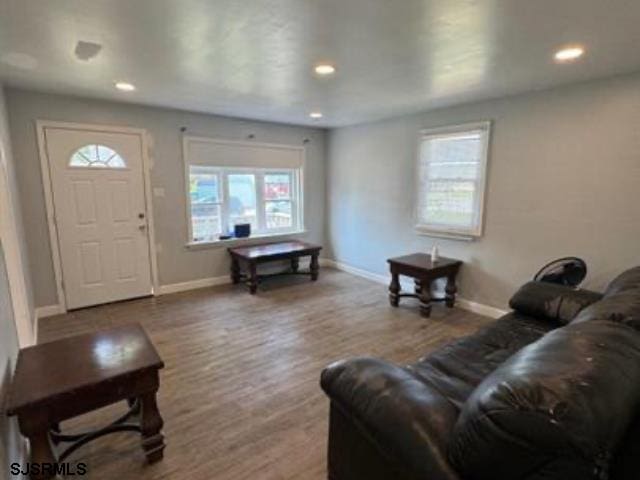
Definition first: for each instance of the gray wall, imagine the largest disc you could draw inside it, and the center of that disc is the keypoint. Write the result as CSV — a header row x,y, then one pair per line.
x,y
564,179
11,228
175,262
10,444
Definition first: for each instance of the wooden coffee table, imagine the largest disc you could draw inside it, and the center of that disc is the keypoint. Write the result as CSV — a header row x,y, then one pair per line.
x,y
420,267
250,257
66,378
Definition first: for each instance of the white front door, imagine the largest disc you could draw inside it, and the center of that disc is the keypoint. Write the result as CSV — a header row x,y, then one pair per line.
x,y
99,204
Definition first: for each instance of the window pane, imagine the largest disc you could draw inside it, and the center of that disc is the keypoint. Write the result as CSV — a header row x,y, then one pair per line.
x,y
449,203
278,214
205,222
204,185
277,186
204,191
96,156
242,200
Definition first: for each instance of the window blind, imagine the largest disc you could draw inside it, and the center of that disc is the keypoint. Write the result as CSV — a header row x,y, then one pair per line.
x,y
451,180
227,153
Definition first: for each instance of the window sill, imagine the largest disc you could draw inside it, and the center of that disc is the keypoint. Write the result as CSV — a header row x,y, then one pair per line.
x,y
466,237
232,242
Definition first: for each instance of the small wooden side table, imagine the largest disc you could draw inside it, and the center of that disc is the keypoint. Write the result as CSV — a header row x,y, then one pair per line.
x,y
59,380
420,267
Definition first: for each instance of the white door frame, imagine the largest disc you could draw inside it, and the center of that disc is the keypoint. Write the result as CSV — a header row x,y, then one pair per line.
x,y
48,195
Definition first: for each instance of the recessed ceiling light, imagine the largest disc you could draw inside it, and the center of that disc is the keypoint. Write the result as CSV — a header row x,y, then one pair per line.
x,y
315,115
325,69
568,54
125,86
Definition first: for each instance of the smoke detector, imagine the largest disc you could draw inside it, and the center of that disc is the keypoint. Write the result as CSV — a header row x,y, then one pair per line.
x,y
85,51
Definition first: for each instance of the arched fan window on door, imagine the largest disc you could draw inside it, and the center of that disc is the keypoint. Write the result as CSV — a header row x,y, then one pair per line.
x,y
96,156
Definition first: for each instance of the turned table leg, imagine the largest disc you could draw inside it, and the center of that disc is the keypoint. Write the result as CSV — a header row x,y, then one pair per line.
x,y
450,291
394,290
425,299
151,427
295,264
235,271
417,287
314,267
253,278
41,451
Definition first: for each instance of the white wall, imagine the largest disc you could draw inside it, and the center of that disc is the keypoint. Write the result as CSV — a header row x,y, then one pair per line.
x,y
176,263
563,179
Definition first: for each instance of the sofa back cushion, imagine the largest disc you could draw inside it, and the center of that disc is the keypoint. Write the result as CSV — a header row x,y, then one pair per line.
x,y
621,302
627,280
557,303
557,408
621,307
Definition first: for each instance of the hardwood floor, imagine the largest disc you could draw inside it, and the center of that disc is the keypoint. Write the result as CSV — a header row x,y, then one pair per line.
x,y
240,394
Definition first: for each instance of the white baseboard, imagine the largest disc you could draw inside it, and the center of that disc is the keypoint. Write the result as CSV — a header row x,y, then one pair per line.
x,y
36,328
43,312
211,281
48,311
193,284
474,307
375,277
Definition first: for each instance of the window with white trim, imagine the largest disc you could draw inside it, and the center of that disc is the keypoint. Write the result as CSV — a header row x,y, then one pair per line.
x,y
231,183
452,164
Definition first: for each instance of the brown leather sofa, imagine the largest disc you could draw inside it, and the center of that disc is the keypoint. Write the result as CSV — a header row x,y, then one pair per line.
x,y
549,391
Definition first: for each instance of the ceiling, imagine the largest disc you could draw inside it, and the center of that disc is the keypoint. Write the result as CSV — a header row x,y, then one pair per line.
x,y
255,58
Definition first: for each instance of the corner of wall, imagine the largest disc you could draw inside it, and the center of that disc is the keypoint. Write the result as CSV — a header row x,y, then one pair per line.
x,y
12,232
328,241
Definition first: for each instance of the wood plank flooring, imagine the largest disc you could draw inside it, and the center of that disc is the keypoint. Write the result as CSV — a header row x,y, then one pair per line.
x,y
240,394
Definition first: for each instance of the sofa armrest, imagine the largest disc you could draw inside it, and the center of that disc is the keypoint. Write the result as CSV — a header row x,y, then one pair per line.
x,y
408,421
554,302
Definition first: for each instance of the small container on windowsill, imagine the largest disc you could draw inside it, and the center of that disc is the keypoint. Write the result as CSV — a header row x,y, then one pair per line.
x,y
434,254
242,230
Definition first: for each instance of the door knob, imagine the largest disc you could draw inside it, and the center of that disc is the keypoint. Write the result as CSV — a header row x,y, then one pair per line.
x,y
142,227
141,215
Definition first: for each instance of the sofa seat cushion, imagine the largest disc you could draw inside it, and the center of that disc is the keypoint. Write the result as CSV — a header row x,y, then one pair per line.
x,y
458,368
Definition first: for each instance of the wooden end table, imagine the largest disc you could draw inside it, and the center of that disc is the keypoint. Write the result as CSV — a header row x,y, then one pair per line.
x,y
420,267
250,257
59,380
